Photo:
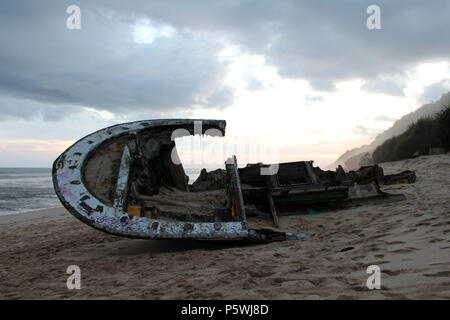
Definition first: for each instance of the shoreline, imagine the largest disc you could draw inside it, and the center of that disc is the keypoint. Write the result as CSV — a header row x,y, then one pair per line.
x,y
33,216
2,214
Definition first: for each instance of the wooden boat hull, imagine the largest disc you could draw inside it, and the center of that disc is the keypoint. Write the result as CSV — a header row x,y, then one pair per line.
x,y
69,184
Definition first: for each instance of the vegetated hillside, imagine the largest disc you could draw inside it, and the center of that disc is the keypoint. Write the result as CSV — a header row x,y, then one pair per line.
x,y
426,133
400,126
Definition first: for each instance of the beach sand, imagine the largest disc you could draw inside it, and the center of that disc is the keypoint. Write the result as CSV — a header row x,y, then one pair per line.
x,y
408,240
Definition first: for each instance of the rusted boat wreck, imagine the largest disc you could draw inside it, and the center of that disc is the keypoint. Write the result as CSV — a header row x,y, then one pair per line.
x,y
123,180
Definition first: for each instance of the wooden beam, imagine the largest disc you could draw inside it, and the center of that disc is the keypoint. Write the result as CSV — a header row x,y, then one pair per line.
x,y
273,210
272,182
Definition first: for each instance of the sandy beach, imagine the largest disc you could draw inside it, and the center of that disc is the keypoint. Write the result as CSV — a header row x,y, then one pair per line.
x,y
408,240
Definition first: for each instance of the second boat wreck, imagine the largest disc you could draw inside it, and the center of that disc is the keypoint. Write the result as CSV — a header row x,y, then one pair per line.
x,y
127,180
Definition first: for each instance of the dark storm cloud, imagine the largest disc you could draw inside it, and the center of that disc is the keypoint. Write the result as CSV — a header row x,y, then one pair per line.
x,y
100,66
27,109
321,41
12,84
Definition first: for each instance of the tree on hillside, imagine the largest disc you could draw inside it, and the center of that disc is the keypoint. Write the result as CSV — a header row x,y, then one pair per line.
x,y
443,127
419,136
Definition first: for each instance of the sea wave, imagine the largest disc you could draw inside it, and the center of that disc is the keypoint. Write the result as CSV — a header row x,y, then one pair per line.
x,y
26,189
29,189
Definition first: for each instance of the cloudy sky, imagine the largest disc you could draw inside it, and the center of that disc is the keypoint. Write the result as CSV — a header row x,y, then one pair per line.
x,y
306,76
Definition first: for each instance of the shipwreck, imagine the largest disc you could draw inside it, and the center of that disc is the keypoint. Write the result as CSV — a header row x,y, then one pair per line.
x,y
123,180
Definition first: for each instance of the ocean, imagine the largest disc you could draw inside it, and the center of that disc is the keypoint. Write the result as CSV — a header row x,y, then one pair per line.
x,y
27,189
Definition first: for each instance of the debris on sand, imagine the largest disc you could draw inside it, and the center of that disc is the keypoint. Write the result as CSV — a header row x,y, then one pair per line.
x,y
128,180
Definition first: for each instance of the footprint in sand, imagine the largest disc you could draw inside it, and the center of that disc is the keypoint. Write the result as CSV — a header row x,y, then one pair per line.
x,y
301,269
394,242
247,284
390,272
280,255
260,273
440,224
381,262
422,224
279,280
438,274
359,288
317,282
396,296
404,250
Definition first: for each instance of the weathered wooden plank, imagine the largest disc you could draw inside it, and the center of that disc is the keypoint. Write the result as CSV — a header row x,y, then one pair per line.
x,y
273,210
